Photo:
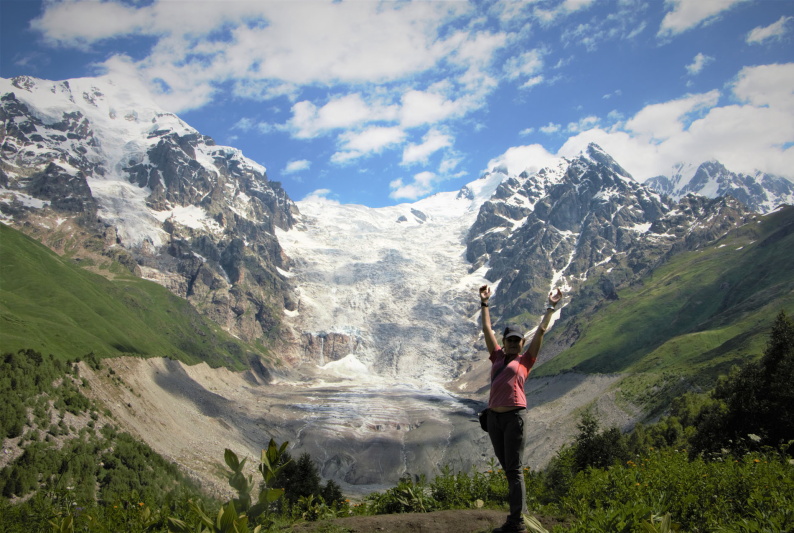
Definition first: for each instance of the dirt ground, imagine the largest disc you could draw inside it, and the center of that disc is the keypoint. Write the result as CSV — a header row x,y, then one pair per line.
x,y
461,521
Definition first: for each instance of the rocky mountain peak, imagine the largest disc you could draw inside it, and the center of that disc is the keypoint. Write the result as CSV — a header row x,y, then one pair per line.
x,y
194,216
592,222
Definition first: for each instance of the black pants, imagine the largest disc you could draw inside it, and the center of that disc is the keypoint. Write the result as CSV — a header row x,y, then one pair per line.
x,y
507,436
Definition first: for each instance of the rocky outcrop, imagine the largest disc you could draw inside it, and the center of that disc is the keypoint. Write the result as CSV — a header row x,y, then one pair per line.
x,y
322,348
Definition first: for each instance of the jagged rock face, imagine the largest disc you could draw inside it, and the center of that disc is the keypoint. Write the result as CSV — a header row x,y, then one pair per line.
x,y
198,218
590,228
326,347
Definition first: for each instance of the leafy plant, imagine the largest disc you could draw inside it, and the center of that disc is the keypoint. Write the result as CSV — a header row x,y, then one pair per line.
x,y
270,465
228,520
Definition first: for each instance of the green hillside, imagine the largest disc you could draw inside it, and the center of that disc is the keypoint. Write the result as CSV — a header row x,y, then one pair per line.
x,y
51,305
696,315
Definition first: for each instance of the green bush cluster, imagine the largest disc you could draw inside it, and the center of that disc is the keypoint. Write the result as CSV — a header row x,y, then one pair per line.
x,y
701,495
27,380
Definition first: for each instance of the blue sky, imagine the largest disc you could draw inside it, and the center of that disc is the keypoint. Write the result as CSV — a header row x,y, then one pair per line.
x,y
379,103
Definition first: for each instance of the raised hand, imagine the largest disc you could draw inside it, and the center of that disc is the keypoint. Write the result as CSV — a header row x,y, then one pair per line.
x,y
555,296
485,293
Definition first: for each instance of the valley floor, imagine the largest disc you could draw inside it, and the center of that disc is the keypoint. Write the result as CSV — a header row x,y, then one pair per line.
x,y
364,436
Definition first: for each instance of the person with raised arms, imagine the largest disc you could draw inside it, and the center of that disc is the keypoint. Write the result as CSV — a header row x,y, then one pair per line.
x,y
507,403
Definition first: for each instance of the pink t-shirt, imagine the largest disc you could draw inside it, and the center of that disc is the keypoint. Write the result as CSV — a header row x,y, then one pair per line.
x,y
507,390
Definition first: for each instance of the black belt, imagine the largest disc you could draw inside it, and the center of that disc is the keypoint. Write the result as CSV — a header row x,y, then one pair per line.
x,y
507,412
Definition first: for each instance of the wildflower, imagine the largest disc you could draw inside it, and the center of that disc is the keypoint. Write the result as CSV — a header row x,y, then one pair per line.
x,y
140,504
756,460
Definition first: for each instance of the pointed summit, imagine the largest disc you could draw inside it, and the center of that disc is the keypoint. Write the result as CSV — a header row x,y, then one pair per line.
x,y
598,155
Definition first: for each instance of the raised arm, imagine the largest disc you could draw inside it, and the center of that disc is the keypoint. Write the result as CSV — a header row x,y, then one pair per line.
x,y
533,348
487,330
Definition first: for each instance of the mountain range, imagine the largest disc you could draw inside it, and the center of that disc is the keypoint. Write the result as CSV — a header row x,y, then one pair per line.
x,y
371,304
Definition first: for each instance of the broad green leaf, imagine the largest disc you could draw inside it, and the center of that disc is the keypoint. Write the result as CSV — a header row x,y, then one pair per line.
x,y
231,460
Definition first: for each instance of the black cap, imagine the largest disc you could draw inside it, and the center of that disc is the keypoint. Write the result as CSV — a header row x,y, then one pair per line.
x,y
513,331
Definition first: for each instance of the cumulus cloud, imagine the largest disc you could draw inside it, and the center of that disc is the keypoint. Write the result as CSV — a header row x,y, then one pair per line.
x,y
698,63
320,196
421,185
429,107
268,48
363,143
776,30
754,134
547,16
661,121
687,14
297,166
432,142
584,123
343,112
524,65
517,159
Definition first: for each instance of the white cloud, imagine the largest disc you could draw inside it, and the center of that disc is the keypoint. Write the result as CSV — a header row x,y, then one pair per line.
x,y
661,121
450,163
432,142
81,23
754,134
268,49
319,196
698,63
776,30
524,65
422,185
531,82
424,107
244,124
517,159
297,166
584,123
767,85
547,16
343,112
551,127
687,14
372,140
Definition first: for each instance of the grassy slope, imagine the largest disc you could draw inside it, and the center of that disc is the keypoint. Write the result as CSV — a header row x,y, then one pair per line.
x,y
53,306
698,314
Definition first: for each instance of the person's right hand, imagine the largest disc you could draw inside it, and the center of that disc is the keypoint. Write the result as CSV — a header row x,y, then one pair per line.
x,y
485,293
555,296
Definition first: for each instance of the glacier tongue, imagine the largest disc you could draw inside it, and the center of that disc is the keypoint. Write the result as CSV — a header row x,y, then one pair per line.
x,y
394,278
